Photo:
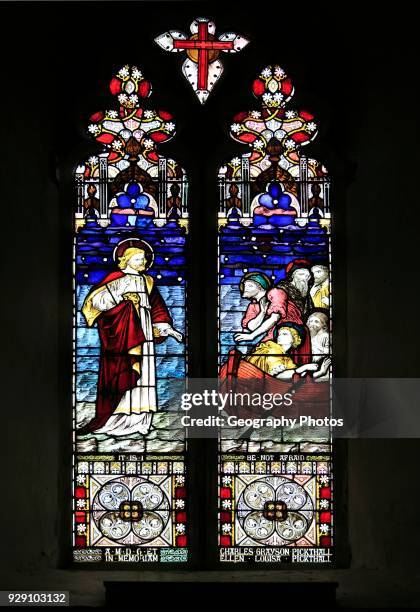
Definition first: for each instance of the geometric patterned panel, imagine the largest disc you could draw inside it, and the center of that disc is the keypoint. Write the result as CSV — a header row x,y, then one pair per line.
x,y
278,502
135,513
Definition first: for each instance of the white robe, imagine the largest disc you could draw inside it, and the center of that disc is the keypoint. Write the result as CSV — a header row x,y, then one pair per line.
x,y
320,345
134,411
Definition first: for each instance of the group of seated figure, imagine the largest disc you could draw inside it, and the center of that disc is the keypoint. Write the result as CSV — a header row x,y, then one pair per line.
x,y
286,327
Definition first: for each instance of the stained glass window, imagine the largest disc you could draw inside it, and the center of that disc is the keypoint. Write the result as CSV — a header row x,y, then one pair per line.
x,y
203,66
131,223
275,489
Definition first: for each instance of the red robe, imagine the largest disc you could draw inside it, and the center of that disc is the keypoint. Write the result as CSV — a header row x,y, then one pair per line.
x,y
280,303
119,332
310,398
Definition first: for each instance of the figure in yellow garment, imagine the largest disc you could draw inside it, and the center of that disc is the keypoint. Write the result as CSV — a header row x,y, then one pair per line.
x,y
271,356
320,291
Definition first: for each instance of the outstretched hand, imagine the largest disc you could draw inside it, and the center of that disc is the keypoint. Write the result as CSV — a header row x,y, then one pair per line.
x,y
325,366
175,334
243,337
307,367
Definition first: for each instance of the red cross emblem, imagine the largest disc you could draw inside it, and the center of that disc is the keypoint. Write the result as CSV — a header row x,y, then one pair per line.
x,y
202,68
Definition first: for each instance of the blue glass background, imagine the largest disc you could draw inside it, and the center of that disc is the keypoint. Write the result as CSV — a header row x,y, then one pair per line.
x,y
252,249
94,249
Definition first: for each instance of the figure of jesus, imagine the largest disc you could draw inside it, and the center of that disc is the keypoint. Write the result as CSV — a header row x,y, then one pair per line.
x,y
131,317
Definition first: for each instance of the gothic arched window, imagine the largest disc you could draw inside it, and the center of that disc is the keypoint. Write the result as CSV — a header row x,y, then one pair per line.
x,y
131,226
275,490
130,235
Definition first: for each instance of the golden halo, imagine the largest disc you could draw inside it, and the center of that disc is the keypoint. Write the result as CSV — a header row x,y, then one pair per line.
x,y
136,243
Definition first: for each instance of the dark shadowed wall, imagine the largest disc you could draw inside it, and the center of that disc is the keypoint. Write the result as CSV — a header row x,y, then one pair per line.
x,y
359,82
